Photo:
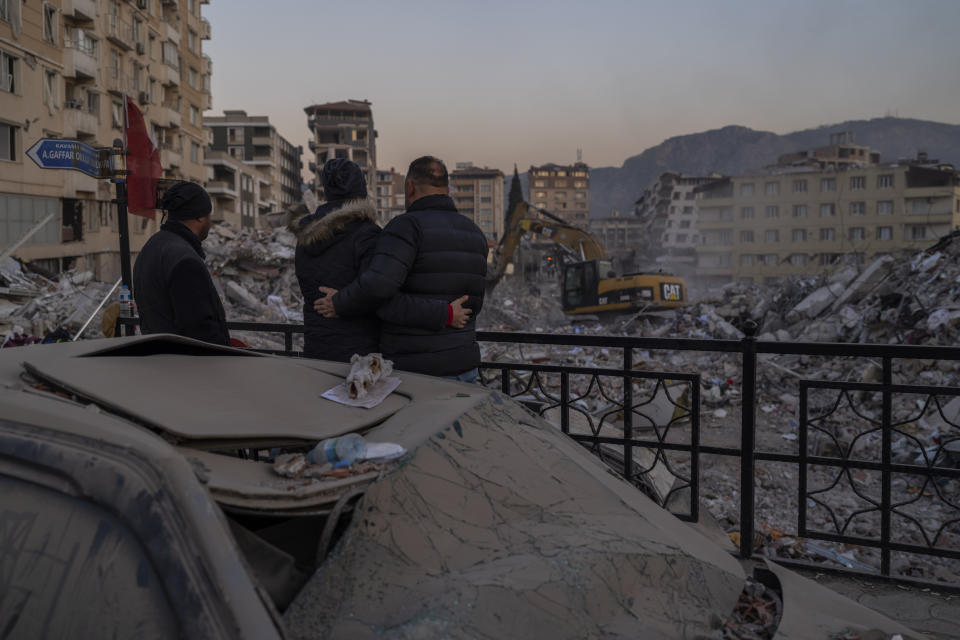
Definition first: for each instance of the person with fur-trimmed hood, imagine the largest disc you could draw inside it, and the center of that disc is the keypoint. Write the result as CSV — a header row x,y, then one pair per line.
x,y
334,245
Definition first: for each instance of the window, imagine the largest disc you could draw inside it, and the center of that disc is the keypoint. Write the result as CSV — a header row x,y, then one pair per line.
x,y
770,260
918,232
885,181
559,195
828,184
541,194
885,208
579,184
485,188
235,152
539,183
858,208
152,46
771,235
50,88
8,71
799,211
580,195
798,259
746,189
681,237
689,210
50,23
192,77
560,184
798,235
194,115
799,186
116,114
856,233
746,212
191,40
8,142
884,233
746,260
194,153
771,188
772,211
827,210
746,236
684,224
858,183
828,234
725,236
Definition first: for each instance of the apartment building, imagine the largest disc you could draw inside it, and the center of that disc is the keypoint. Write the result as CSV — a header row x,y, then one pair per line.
x,y
342,130
389,195
240,192
271,159
622,238
804,218
563,190
64,68
667,211
478,194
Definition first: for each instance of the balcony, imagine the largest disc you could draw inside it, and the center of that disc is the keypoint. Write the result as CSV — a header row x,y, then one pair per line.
x,y
171,31
78,61
171,110
170,155
169,76
77,121
120,33
204,29
206,65
262,141
222,188
118,83
80,10
262,159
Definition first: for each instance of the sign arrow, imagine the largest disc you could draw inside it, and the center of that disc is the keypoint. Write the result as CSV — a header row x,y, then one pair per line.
x,y
56,153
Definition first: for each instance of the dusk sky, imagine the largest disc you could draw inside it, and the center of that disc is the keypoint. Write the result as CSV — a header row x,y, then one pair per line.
x,y
498,83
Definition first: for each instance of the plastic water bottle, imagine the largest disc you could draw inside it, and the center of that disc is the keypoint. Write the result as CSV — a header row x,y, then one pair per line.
x,y
343,449
126,311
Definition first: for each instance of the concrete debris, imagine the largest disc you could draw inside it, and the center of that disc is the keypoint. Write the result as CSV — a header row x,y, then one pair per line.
x,y
905,300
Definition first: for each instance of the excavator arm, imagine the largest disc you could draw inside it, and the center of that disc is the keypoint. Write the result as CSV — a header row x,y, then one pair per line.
x,y
582,243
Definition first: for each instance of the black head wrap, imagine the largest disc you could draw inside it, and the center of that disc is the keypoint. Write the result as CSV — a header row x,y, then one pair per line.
x,y
343,180
186,201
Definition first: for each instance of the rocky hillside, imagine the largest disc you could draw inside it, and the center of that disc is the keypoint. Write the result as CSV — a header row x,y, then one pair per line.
x,y
735,149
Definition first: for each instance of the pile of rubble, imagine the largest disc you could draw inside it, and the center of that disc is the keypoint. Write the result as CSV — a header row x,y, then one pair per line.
x,y
910,300
32,305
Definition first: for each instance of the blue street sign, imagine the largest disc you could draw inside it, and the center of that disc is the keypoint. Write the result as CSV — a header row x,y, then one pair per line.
x,y
56,153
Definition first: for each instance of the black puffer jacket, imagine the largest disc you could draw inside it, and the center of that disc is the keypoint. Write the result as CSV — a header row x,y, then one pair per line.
x,y
430,253
173,288
334,245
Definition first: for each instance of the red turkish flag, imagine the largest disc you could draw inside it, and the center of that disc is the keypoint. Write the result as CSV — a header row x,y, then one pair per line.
x,y
143,163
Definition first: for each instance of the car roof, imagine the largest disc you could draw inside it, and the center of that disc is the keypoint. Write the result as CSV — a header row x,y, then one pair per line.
x,y
193,391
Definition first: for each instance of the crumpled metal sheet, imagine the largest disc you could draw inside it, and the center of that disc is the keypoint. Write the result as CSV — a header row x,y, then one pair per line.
x,y
500,526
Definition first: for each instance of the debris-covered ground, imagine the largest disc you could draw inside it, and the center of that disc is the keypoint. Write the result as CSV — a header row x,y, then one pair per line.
x,y
909,300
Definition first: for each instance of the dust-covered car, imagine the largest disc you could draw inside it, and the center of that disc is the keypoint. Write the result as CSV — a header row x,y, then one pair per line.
x,y
139,498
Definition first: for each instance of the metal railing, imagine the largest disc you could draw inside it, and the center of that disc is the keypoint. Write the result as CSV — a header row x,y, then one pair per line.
x,y
827,411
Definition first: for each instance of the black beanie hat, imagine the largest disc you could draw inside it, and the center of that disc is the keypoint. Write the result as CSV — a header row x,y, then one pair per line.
x,y
186,201
343,180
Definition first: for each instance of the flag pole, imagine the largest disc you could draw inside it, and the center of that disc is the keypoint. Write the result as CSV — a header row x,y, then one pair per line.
x,y
120,182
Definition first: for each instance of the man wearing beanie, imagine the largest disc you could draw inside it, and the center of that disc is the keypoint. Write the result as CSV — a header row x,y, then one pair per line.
x,y
171,283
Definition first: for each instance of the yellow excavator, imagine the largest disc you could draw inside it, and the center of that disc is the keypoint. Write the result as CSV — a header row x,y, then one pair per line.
x,y
589,284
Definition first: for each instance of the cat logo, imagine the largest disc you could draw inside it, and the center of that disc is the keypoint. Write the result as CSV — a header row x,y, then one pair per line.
x,y
671,292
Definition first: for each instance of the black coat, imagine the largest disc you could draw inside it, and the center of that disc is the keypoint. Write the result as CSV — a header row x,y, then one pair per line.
x,y
173,288
431,254
334,245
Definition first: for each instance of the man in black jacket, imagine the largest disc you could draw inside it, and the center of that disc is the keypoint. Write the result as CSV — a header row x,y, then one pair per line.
x,y
433,253
171,283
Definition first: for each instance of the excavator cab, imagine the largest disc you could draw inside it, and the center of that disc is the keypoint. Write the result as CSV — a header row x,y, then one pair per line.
x,y
580,280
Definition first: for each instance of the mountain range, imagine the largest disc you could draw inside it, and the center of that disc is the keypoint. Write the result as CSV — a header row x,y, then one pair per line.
x,y
734,149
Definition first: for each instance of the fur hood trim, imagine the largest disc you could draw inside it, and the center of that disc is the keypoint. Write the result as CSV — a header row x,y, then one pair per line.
x,y
322,229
